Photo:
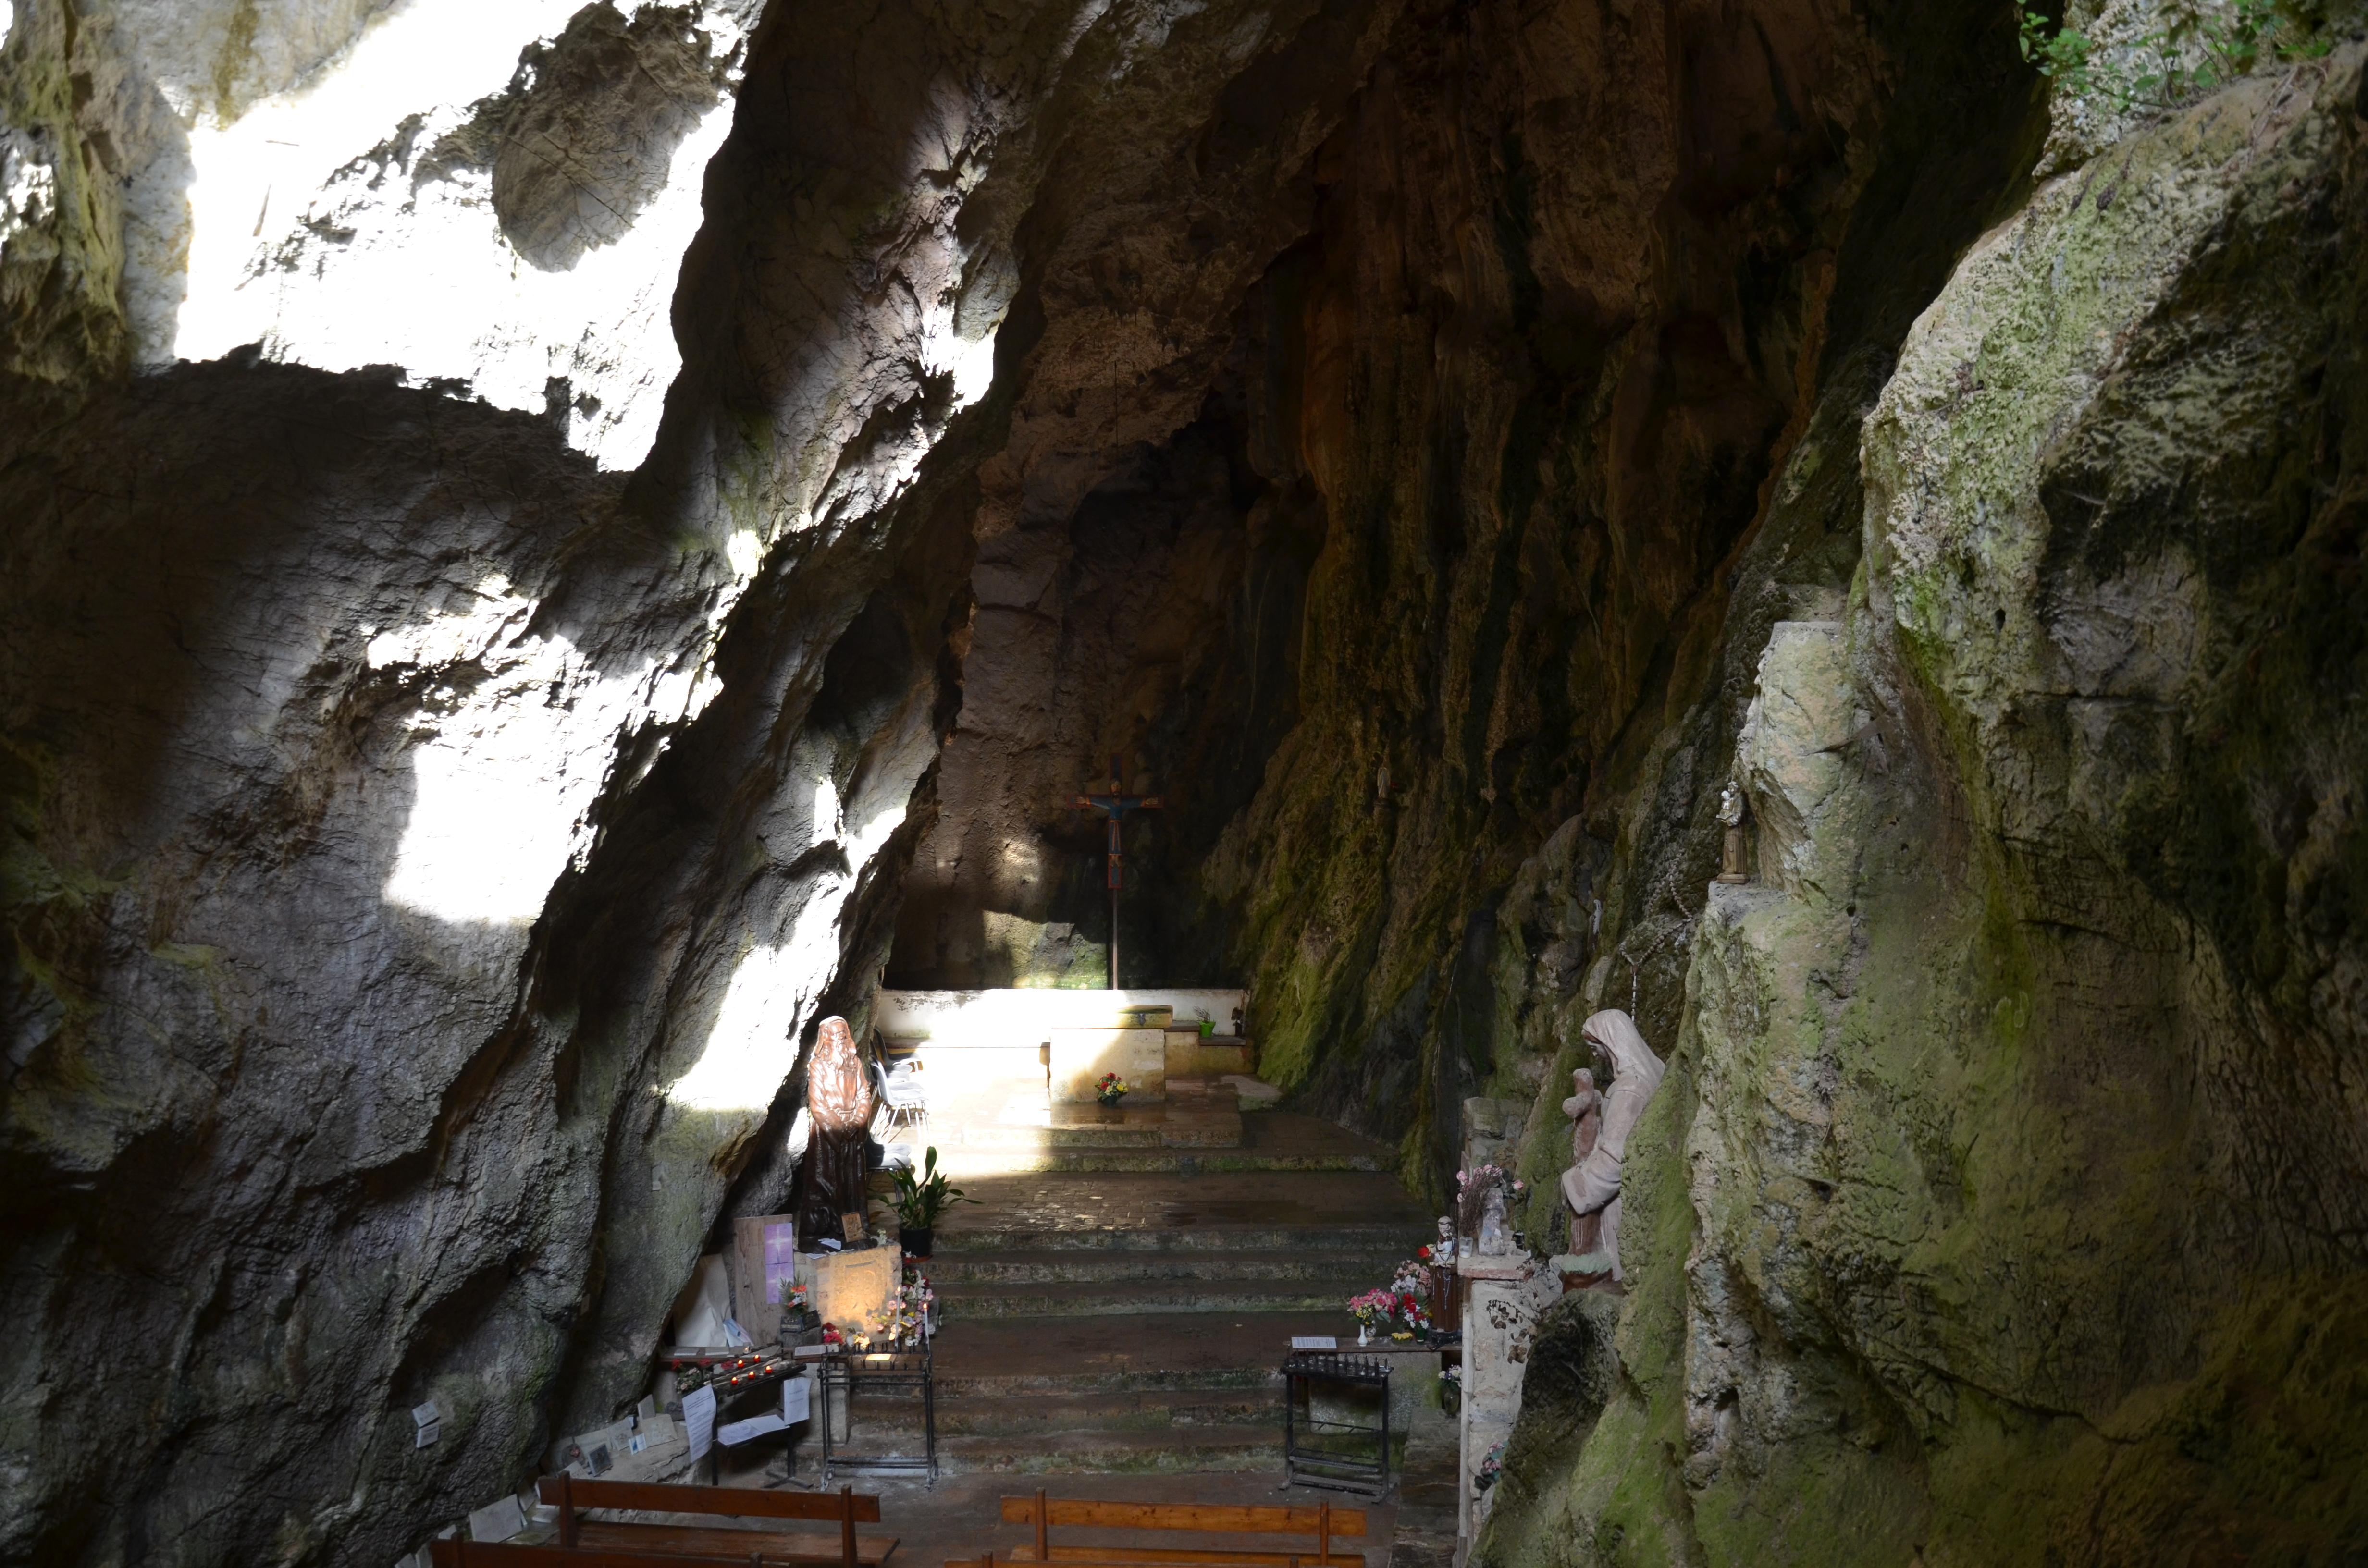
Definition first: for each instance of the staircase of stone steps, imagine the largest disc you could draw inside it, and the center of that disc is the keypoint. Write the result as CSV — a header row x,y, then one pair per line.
x,y
1118,1320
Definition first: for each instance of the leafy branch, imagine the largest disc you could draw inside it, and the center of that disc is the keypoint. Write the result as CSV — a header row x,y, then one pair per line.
x,y
2198,46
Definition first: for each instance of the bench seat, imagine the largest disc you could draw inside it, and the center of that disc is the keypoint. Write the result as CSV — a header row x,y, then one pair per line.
x,y
730,1545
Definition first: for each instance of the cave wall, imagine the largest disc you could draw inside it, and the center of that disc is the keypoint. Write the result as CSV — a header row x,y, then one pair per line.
x,y
1092,636
432,835
1502,417
1999,1206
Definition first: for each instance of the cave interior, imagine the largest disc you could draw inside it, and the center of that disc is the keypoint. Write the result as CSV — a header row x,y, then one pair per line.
x,y
551,549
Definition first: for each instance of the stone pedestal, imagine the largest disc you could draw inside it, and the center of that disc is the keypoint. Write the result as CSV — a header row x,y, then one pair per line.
x,y
1081,1056
1502,1300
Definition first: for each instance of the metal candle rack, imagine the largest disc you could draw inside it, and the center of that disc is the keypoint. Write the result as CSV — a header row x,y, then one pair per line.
x,y
1307,1458
900,1371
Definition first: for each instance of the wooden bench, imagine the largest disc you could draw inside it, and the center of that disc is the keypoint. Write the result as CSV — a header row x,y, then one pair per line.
x,y
585,1538
1323,1521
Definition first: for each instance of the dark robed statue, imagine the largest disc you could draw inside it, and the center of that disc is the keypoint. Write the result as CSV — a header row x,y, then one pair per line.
x,y
838,1103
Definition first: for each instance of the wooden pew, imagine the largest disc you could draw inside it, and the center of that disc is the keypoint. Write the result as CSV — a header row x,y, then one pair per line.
x,y
1323,1521
845,1508
511,1555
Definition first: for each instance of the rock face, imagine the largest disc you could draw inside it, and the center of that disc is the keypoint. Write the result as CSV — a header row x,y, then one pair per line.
x,y
660,504
1979,1239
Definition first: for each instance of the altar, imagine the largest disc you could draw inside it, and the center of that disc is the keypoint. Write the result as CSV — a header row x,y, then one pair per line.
x,y
1010,1074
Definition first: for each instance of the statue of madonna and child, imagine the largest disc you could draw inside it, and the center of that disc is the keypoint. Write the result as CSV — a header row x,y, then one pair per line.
x,y
1601,1120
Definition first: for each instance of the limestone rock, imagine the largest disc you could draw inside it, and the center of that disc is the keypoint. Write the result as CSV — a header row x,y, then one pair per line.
x,y
1790,753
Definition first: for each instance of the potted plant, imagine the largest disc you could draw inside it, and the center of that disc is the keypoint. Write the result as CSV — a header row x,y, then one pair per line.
x,y
919,1201
1109,1091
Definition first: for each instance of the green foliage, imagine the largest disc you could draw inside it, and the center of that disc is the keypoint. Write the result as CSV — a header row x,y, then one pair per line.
x,y
2196,47
920,1199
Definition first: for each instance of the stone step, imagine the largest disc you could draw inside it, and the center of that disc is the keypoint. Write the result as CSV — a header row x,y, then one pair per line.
x,y
1091,1160
1074,1265
1211,1058
979,1414
1245,1445
1401,1238
1257,1446
1082,1385
970,1300
1001,1135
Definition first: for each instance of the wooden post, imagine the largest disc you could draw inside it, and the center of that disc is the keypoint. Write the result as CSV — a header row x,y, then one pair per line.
x,y
566,1508
1324,1527
1044,1546
847,1526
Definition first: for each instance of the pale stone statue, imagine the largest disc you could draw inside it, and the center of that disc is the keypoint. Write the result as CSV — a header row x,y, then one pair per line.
x,y
1496,1236
1592,1188
1585,1109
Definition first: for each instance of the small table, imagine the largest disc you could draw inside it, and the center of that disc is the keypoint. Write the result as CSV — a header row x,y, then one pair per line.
x,y
1307,1460
876,1372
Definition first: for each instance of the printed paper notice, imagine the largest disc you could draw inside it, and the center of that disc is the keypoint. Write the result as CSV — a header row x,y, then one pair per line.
x,y
1314,1342
796,1394
699,1421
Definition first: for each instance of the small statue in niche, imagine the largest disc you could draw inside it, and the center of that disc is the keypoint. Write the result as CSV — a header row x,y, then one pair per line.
x,y
1496,1236
1585,1109
1733,865
1592,1188
838,1106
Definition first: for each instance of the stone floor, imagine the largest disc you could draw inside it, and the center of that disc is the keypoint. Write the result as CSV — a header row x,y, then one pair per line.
x,y
1116,1318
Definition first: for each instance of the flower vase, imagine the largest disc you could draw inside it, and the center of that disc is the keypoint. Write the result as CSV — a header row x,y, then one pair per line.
x,y
916,1240
1364,1334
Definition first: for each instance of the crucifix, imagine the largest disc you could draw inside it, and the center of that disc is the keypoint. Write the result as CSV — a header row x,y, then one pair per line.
x,y
1114,804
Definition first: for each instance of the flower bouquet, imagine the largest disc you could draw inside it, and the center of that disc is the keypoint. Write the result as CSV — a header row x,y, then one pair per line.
x,y
899,1320
1484,1193
1372,1310
1399,1308
1492,1466
1109,1091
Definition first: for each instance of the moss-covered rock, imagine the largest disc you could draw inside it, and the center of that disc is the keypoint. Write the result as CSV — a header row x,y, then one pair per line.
x,y
2017,1235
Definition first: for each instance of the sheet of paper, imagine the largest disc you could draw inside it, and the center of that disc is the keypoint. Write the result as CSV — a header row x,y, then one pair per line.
x,y
797,1399
1314,1342
699,1421
498,1520
733,1433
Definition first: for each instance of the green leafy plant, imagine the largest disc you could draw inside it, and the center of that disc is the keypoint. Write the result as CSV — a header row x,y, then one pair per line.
x,y
2198,47
921,1198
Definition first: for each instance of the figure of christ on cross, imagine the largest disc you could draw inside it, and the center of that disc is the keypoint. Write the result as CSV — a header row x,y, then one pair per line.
x,y
1114,804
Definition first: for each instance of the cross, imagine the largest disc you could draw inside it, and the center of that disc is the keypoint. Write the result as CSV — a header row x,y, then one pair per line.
x,y
1114,803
